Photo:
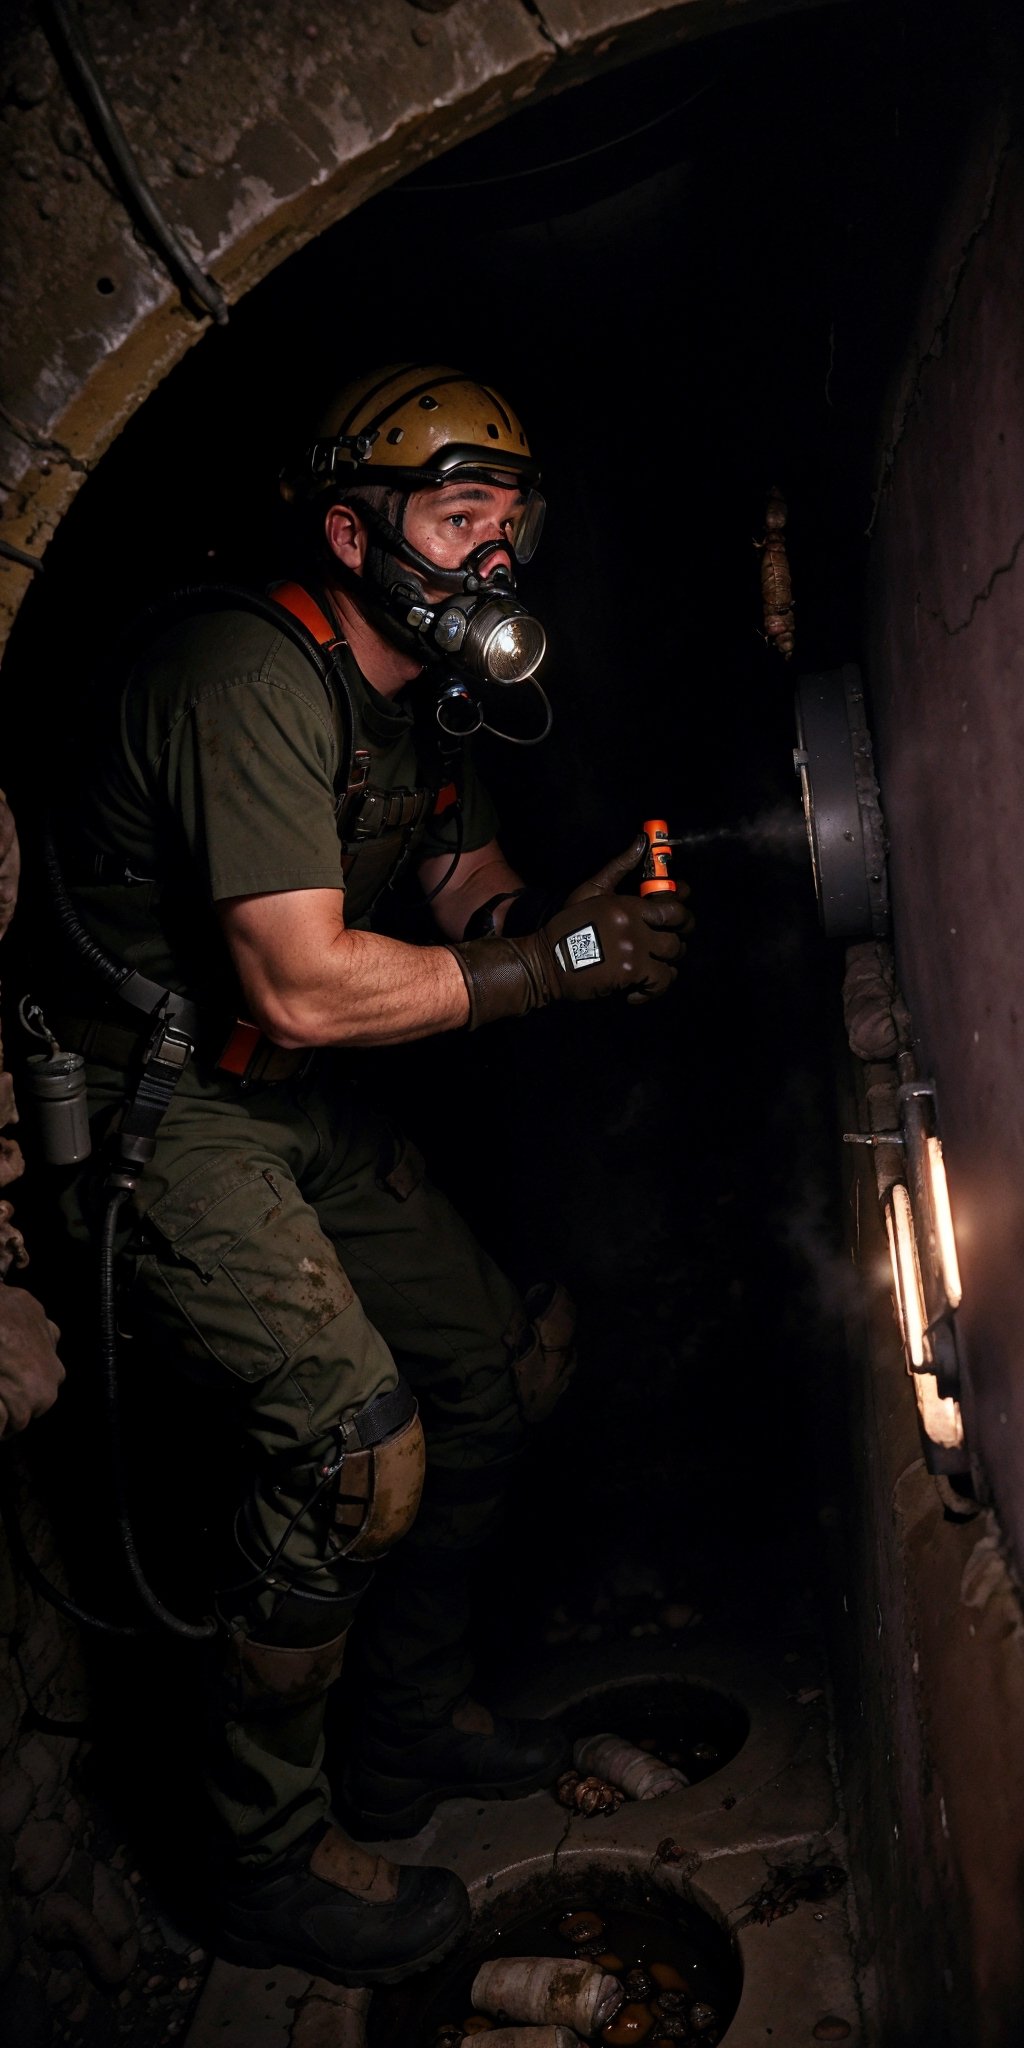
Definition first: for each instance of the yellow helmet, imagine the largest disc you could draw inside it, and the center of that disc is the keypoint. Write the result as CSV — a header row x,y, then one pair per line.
x,y
413,425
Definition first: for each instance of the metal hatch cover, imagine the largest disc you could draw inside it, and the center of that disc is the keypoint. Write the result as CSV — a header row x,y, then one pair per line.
x,y
845,827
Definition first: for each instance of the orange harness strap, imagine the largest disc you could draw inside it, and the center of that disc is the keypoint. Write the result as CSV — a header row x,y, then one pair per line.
x,y
293,598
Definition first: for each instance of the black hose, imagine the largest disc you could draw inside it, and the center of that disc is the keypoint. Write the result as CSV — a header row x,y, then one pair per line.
x,y
513,739
71,928
198,1632
114,975
167,241
37,1577
13,554
98,1623
460,833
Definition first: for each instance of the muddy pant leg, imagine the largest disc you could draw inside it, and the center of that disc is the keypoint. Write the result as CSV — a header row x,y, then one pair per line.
x,y
454,1324
412,1642
239,1286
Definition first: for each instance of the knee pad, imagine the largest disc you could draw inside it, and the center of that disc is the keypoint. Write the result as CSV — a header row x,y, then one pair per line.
x,y
284,1644
380,1481
350,1507
275,1676
543,1350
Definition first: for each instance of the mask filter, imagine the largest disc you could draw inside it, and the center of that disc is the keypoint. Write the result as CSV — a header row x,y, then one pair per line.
x,y
494,638
494,644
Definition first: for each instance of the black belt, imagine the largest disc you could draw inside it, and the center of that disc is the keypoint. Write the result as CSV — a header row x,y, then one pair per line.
x,y
112,1044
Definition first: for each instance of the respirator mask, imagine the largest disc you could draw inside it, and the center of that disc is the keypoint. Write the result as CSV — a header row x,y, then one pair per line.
x,y
410,427
478,643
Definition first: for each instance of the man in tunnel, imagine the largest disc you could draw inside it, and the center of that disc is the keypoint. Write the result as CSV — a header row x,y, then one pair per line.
x,y
269,768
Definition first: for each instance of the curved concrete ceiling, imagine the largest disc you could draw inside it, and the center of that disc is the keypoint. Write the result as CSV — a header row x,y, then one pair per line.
x,y
253,128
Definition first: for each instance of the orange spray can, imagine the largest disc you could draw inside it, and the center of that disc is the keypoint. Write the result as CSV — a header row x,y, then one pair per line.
x,y
656,880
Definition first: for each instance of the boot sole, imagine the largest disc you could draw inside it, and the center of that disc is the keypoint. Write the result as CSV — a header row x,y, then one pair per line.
x,y
260,1955
398,1822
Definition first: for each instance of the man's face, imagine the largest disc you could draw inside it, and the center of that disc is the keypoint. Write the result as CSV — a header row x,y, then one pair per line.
x,y
448,522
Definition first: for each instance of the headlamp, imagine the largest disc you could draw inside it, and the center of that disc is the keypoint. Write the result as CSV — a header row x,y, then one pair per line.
x,y
494,638
494,645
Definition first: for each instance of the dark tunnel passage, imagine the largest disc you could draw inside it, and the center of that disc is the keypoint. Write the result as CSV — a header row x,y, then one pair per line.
x,y
683,374
693,280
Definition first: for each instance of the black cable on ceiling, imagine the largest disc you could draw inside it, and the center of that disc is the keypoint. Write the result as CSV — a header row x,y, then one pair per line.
x,y
165,238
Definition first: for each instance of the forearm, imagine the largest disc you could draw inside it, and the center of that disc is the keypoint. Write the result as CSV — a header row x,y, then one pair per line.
x,y
378,991
340,987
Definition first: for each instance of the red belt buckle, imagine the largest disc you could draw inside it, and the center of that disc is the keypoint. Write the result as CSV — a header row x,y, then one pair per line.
x,y
241,1049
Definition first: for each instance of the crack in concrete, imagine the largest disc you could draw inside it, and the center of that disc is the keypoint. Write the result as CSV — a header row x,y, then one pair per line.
x,y
905,407
561,1842
980,596
759,1845
42,444
533,9
305,2000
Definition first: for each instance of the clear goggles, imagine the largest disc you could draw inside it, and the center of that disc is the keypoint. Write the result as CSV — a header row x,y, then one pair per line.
x,y
527,526
527,522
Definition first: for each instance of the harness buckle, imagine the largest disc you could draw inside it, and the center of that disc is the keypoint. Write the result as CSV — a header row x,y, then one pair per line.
x,y
169,1046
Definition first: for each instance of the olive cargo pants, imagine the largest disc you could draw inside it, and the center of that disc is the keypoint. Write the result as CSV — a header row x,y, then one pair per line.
x,y
290,1251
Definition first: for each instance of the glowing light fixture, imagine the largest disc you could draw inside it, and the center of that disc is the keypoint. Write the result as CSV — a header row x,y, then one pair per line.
x,y
890,1231
940,1414
925,1268
939,1189
907,1273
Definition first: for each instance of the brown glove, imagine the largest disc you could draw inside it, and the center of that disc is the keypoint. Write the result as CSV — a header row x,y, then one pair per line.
x,y
598,944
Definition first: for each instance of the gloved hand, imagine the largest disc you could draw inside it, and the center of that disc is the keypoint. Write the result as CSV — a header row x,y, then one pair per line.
x,y
598,944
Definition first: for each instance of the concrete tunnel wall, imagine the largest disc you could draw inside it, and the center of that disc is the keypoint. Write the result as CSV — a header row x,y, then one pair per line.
x,y
254,127
927,1639
947,670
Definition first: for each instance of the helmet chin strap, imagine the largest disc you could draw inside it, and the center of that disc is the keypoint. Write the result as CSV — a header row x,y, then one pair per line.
x,y
366,593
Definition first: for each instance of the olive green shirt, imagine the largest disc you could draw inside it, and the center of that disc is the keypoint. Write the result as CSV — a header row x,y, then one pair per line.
x,y
215,777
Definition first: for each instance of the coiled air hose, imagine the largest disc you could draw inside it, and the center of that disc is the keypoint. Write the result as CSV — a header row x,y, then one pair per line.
x,y
119,1188
92,954
193,1631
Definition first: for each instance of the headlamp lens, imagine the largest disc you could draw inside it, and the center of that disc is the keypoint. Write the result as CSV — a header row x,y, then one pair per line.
x,y
513,649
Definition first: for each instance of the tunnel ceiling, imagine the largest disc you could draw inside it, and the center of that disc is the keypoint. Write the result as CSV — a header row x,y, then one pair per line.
x,y
253,127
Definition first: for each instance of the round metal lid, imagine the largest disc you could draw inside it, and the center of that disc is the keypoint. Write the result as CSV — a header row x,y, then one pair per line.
x,y
845,827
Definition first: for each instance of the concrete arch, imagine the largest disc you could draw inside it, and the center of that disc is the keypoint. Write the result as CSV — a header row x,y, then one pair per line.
x,y
255,126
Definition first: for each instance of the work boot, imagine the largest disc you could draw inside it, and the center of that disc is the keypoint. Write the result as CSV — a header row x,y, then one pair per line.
x,y
393,1786
338,1912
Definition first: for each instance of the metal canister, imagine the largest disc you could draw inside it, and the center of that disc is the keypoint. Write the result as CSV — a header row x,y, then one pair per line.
x,y
656,880
56,1086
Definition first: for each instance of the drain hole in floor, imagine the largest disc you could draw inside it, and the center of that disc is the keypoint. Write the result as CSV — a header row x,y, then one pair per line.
x,y
688,1990
691,1726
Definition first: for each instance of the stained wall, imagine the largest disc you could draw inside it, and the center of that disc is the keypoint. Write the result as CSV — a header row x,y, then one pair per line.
x,y
927,1625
